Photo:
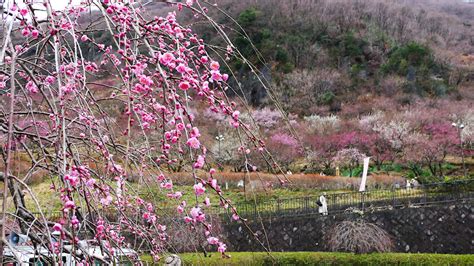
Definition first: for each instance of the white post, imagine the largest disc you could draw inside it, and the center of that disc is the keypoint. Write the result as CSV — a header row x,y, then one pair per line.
x,y
364,174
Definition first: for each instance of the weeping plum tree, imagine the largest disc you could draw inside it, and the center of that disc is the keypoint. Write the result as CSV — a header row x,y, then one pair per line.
x,y
56,110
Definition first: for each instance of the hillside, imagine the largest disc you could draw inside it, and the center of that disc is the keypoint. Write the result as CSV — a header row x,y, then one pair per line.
x,y
317,56
330,52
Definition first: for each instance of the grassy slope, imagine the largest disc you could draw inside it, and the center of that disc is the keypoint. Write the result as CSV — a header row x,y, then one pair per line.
x,y
49,200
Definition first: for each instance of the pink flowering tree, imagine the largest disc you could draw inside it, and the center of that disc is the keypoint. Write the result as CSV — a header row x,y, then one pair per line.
x,y
430,147
379,149
56,109
288,149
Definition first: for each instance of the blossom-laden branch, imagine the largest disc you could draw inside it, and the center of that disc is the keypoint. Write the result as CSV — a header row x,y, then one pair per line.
x,y
91,134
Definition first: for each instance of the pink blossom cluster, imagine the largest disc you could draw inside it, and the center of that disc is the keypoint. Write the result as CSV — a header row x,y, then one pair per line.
x,y
160,69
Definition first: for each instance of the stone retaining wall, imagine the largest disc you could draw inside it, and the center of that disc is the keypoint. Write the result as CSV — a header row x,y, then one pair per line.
x,y
445,228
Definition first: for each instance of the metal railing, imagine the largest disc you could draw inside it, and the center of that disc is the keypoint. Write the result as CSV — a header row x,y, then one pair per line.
x,y
341,202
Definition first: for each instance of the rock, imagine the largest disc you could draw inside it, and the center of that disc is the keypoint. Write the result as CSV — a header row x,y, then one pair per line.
x,y
295,228
407,248
172,260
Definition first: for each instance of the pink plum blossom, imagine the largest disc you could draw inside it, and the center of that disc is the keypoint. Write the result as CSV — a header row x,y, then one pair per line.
x,y
199,162
213,240
181,68
31,87
193,143
235,217
214,183
175,195
199,189
74,221
222,248
235,115
166,58
207,202
69,205
57,227
167,185
34,34
184,85
195,132
214,65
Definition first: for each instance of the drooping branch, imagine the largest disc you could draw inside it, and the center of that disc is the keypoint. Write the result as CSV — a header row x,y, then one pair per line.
x,y
90,144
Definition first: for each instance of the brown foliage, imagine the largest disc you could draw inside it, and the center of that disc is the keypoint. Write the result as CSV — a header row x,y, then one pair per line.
x,y
300,180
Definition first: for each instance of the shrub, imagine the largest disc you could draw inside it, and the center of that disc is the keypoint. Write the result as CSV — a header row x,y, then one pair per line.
x,y
248,16
416,62
327,97
359,237
411,54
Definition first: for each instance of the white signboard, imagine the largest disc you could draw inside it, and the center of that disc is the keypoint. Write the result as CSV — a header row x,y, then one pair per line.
x,y
364,174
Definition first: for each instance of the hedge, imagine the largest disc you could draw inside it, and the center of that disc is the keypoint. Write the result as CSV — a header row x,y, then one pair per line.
x,y
326,258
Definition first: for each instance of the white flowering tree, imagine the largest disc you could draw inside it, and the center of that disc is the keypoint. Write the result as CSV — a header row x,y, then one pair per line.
x,y
349,158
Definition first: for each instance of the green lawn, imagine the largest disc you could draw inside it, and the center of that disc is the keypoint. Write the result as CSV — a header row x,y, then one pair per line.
x,y
323,258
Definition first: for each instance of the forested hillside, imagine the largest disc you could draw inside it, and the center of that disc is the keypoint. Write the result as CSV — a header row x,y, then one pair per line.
x,y
319,55
331,52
